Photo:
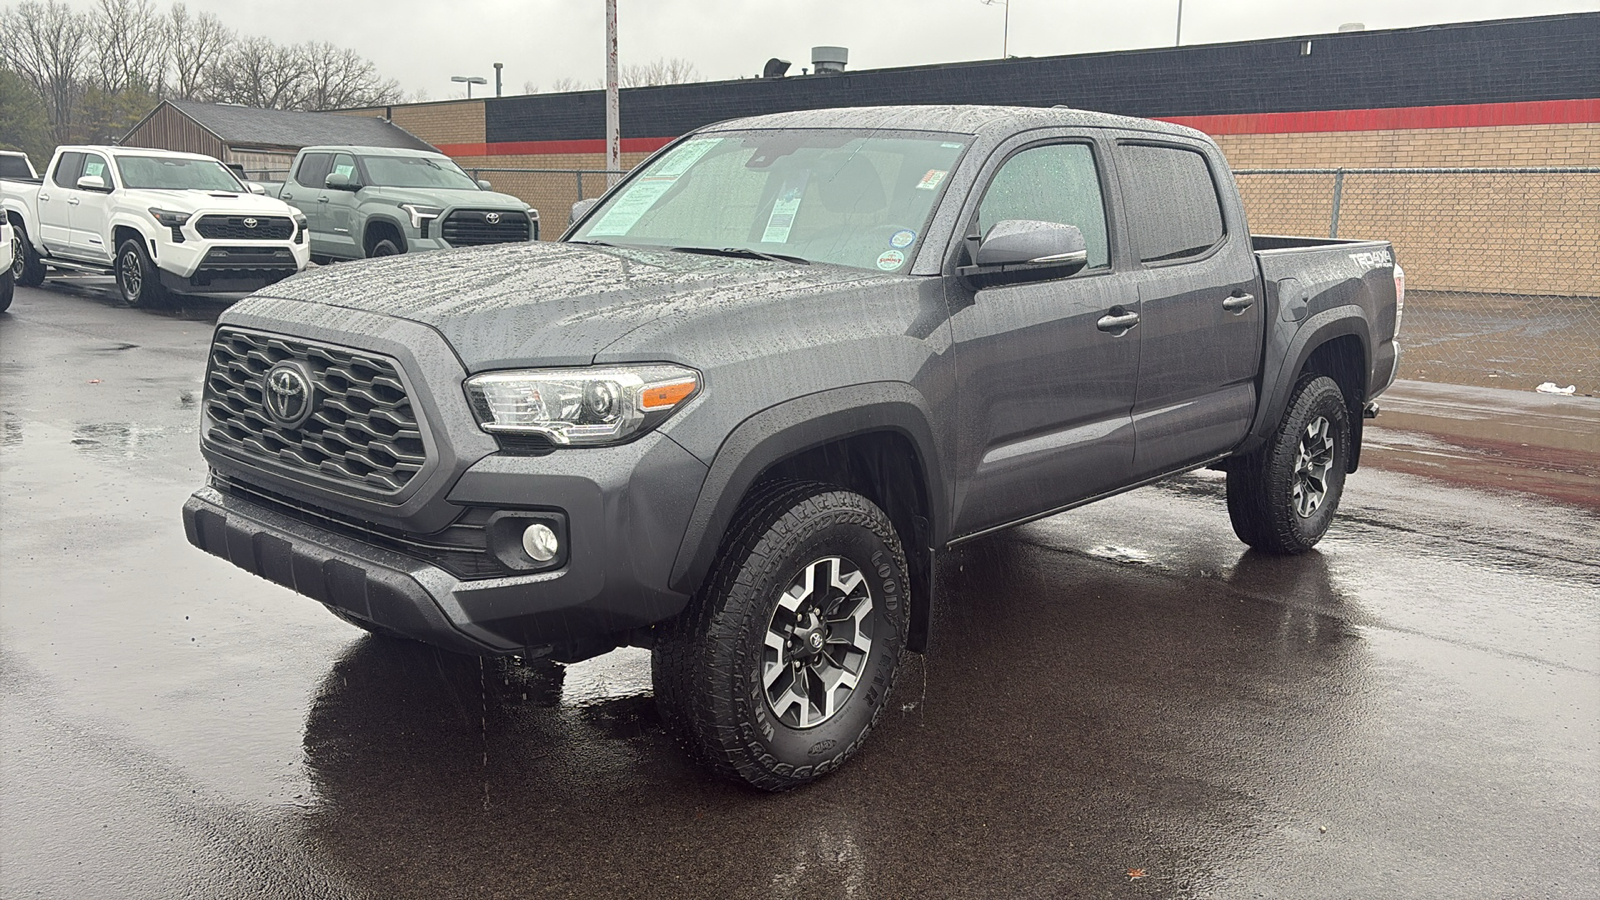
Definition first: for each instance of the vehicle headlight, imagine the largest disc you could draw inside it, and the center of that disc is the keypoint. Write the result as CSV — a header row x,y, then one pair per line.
x,y
581,407
168,218
420,213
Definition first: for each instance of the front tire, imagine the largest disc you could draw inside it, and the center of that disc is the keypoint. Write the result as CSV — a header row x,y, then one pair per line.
x,y
1283,497
782,663
7,289
385,247
138,281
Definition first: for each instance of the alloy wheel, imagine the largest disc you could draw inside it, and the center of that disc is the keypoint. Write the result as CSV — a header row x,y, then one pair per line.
x,y
817,642
1312,462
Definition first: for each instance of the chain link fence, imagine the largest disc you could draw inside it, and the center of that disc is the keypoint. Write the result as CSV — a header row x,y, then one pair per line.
x,y
1502,264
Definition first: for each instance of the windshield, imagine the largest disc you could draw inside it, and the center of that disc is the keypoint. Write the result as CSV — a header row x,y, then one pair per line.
x,y
856,198
163,173
417,172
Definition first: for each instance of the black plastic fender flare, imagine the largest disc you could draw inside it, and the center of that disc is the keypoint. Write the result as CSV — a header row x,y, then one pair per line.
x,y
795,426
1325,326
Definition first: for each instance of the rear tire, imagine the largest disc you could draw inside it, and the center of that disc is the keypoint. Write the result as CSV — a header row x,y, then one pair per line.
x,y
1282,498
138,280
779,668
7,289
27,269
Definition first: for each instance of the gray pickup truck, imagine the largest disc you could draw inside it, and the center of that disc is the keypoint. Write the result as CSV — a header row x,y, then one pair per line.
x,y
379,201
739,410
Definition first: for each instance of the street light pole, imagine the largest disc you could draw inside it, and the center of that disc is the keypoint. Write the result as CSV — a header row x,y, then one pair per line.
x,y
469,81
1005,33
613,123
1178,42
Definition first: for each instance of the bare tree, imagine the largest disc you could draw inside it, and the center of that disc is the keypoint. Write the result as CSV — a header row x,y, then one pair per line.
x,y
257,72
130,40
659,71
568,85
339,78
196,43
529,87
49,45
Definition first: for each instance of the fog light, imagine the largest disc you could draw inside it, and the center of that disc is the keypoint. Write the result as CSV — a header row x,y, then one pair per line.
x,y
540,543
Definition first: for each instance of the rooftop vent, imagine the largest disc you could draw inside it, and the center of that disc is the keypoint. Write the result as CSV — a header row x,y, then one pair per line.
x,y
775,68
1352,26
826,60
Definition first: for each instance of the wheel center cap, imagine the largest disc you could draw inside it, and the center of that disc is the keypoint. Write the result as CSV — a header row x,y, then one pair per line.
x,y
816,640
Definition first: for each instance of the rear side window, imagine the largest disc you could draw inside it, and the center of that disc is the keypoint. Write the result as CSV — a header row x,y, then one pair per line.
x,y
1173,205
1054,183
14,167
314,168
68,168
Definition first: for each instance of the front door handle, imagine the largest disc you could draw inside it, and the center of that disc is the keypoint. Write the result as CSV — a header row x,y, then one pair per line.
x,y
72,201
285,196
44,198
322,199
1239,303
1116,322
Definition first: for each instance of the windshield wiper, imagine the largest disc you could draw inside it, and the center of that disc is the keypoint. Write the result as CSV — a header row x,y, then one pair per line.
x,y
744,253
593,243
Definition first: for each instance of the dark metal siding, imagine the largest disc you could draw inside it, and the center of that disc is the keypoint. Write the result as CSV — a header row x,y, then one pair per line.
x,y
1546,58
169,129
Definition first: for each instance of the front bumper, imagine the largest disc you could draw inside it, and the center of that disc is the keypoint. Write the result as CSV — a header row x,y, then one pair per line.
x,y
623,531
201,266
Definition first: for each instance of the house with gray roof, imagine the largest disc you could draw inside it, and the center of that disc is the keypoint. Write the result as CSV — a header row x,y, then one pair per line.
x,y
261,141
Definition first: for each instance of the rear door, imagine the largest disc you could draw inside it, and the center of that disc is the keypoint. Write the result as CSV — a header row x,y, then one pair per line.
x,y
1044,393
91,212
55,225
1200,319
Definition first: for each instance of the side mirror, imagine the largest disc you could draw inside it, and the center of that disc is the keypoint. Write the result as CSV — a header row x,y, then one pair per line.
x,y
1018,250
338,181
483,185
92,183
255,188
582,207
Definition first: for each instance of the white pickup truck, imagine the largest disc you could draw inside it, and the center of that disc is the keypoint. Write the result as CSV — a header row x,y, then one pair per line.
x,y
7,251
158,221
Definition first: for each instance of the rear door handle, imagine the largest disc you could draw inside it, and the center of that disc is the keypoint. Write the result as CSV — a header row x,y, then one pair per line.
x,y
1117,323
44,198
285,196
1239,303
322,199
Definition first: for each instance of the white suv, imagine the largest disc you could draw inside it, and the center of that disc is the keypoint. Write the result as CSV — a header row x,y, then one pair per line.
x,y
155,219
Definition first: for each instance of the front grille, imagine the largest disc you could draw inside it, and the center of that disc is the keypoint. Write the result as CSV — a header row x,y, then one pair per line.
x,y
233,228
471,227
222,260
363,430
459,548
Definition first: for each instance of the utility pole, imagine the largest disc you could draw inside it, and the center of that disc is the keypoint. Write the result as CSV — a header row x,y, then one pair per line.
x,y
1005,34
1178,42
613,123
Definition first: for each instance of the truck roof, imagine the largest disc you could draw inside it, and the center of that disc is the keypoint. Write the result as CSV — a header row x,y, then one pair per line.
x,y
371,151
957,119
118,150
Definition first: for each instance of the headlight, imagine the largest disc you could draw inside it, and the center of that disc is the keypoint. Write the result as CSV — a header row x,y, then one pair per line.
x,y
580,407
420,213
168,218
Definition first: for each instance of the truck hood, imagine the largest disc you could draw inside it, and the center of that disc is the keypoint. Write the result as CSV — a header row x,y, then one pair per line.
x,y
209,201
545,303
469,199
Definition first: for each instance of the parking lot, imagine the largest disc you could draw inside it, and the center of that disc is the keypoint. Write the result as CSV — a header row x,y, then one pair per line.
x,y
1119,701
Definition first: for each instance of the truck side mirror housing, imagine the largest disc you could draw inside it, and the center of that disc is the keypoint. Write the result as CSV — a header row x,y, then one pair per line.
x,y
582,207
338,181
255,188
483,185
92,183
1018,250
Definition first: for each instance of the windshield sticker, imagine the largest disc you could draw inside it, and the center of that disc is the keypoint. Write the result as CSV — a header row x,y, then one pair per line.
x,y
951,146
627,211
890,260
783,213
687,154
932,179
902,239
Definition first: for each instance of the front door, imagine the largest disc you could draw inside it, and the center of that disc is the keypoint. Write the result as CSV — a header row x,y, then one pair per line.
x,y
91,213
304,191
340,211
1202,323
1045,394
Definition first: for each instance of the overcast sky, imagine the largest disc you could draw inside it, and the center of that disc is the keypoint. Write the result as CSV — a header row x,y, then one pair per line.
x,y
423,42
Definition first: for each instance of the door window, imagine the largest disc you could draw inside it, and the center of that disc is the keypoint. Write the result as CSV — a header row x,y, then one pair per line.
x,y
1172,202
68,168
345,164
314,169
94,164
1053,183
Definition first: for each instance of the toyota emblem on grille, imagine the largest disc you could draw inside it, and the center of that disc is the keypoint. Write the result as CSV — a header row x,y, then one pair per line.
x,y
249,223
286,393
492,218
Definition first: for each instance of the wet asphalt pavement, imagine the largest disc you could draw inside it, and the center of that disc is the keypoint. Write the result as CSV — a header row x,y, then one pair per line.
x,y
1412,711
